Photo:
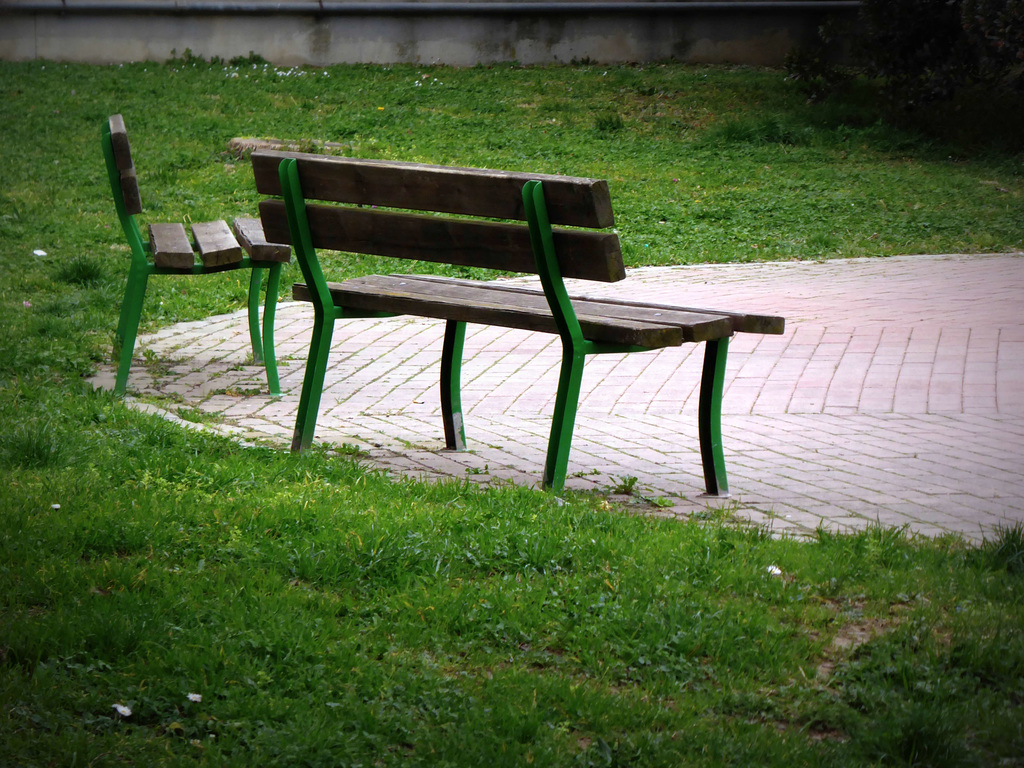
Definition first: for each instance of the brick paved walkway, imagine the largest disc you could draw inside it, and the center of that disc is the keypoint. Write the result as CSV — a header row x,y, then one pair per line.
x,y
896,394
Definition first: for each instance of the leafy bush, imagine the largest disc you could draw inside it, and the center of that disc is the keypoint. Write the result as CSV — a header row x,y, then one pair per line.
x,y
922,50
996,31
917,46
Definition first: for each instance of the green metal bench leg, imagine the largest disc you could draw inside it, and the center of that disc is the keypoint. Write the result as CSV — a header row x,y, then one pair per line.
x,y
451,395
710,417
269,313
263,344
255,281
313,382
564,419
128,326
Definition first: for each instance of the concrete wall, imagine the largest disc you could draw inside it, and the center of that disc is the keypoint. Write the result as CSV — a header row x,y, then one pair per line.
x,y
457,33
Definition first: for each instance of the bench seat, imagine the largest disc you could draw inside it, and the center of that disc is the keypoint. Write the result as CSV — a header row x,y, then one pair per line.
x,y
218,246
617,322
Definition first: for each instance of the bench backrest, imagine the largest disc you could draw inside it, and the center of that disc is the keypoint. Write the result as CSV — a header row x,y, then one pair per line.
x,y
124,184
120,163
364,188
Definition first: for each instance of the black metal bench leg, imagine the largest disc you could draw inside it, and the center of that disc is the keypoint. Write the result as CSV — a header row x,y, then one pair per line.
x,y
710,417
451,394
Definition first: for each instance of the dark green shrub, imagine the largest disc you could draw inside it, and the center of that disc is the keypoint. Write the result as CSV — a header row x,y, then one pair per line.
x,y
816,70
917,46
922,51
995,29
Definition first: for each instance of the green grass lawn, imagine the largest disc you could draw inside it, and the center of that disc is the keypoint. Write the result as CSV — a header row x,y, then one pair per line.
x,y
169,597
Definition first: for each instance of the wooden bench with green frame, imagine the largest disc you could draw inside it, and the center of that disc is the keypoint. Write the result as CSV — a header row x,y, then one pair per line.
x,y
365,188
168,251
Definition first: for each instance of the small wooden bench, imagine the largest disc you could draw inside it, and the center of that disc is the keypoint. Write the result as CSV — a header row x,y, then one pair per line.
x,y
168,251
360,217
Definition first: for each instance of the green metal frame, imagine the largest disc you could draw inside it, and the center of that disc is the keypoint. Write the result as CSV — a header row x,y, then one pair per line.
x,y
575,347
142,268
709,417
325,313
451,388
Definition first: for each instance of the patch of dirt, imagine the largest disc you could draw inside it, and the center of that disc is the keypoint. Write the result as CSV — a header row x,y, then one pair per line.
x,y
851,636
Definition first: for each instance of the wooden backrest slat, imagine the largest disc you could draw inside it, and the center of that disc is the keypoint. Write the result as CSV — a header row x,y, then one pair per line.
x,y
506,246
119,141
125,167
130,192
570,201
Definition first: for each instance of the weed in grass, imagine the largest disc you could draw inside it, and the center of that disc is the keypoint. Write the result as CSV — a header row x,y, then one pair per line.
x,y
757,130
822,242
252,60
194,415
722,515
351,449
80,270
625,486
1006,549
608,122
917,734
33,444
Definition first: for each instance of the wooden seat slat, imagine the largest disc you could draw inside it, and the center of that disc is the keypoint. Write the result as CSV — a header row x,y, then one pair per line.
x,y
480,304
468,243
216,244
696,324
250,236
571,201
741,322
170,246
